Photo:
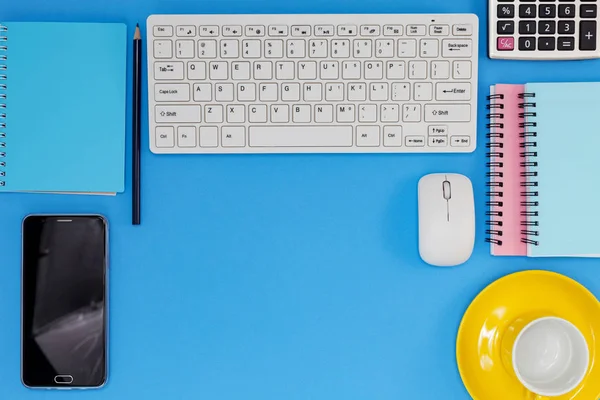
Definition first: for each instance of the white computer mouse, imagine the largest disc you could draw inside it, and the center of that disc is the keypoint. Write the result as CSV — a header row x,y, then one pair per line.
x,y
446,219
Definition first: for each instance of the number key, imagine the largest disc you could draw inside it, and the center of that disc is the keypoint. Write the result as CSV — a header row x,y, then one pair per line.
x,y
566,26
506,11
547,11
566,11
547,27
527,43
526,27
527,11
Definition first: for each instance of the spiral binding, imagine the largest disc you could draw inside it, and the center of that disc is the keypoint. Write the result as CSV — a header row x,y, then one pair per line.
x,y
3,87
528,143
495,156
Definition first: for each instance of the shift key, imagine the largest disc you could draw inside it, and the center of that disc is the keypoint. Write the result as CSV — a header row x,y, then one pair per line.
x,y
447,112
187,114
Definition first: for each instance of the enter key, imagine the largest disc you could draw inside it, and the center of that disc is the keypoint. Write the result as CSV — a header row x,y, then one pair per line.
x,y
453,91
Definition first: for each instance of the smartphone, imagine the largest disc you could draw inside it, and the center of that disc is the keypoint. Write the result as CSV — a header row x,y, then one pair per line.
x,y
64,301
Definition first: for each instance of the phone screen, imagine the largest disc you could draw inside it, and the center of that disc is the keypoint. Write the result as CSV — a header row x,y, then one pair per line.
x,y
63,301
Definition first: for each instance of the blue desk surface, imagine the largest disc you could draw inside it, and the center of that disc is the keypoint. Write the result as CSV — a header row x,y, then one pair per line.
x,y
274,277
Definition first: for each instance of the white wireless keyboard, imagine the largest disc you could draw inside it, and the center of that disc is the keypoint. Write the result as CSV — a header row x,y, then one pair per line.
x,y
363,83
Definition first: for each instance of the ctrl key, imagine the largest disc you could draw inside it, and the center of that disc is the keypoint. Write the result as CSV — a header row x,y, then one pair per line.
x,y
165,136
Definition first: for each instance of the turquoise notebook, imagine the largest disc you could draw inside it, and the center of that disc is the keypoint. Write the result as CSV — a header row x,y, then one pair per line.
x,y
563,153
65,107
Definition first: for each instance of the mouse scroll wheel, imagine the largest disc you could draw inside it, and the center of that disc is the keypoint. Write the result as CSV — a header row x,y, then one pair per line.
x,y
446,190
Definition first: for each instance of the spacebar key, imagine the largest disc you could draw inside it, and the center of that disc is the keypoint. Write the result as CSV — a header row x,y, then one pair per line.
x,y
300,136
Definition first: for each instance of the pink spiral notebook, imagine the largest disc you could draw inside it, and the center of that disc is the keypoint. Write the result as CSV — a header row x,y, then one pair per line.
x,y
506,171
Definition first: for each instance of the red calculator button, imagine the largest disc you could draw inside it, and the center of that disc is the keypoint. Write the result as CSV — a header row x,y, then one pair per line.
x,y
506,43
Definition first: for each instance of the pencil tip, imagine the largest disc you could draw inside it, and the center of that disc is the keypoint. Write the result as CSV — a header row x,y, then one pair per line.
x,y
138,34
137,25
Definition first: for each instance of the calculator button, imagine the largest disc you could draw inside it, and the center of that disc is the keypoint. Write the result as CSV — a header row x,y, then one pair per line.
x,y
587,35
526,27
566,26
506,27
566,43
527,43
547,27
547,11
527,11
566,11
588,11
506,11
546,43
505,43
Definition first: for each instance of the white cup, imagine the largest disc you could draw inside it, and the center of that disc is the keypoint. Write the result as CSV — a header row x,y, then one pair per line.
x,y
550,356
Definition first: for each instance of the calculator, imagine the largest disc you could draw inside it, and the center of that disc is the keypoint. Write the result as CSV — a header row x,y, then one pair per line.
x,y
543,29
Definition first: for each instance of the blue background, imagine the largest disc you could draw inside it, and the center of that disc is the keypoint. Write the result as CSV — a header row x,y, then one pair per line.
x,y
274,277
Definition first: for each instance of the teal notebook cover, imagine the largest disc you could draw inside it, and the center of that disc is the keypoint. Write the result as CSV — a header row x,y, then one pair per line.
x,y
567,147
65,107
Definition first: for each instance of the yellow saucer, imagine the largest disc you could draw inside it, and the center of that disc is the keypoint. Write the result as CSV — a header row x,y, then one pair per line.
x,y
494,318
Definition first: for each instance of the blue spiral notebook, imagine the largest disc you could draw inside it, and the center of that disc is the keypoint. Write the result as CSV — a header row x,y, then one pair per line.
x,y
557,137
63,99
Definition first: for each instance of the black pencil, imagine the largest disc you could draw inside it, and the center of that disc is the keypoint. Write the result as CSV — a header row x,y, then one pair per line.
x,y
137,114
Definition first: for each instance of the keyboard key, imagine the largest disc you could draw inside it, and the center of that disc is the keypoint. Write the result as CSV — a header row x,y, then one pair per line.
x,y
453,91
300,136
438,141
407,48
317,48
505,27
218,70
251,48
334,91
411,113
313,92
357,91
460,141
202,92
263,70
284,70
351,70
370,30
186,31
208,136
307,70
207,49
546,43
233,136
213,113
392,30
384,48
168,70
196,70
240,70
392,136
296,48
257,113
429,48
229,48
273,48
163,31
390,113
400,91
444,30
417,69
416,30
236,113
461,69
415,141
163,49
566,11
323,113
329,70
172,92
423,91
395,69
209,31
566,27
457,48
280,113
447,112
547,27
278,30
301,30
527,43
165,136
232,30
185,114
462,30
255,30
373,70
367,136
527,11
363,48
186,136
340,48
440,70
246,91
588,11
184,48
224,92
347,30
566,43
324,30
290,92
268,92
301,113
367,113
587,35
